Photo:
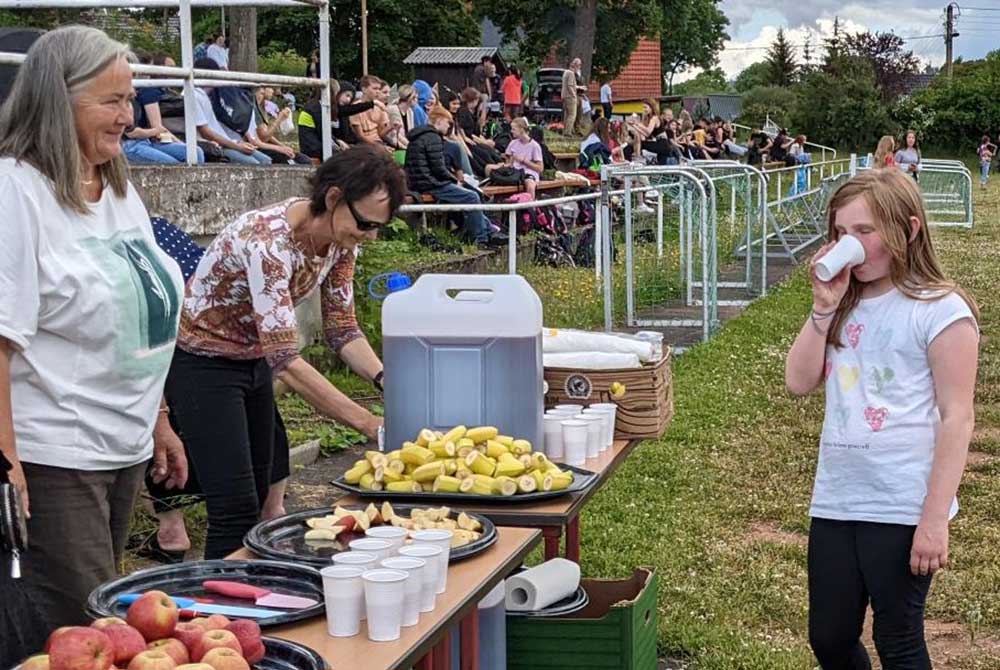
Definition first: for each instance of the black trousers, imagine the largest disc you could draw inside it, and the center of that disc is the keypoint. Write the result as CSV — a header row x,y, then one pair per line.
x,y
279,158
224,411
607,110
852,563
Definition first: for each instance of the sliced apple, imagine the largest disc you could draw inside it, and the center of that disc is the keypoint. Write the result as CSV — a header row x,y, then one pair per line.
x,y
323,533
387,512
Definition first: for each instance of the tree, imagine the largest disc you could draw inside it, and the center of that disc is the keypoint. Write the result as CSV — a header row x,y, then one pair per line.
x,y
835,43
692,32
707,81
759,103
752,76
781,59
891,64
243,39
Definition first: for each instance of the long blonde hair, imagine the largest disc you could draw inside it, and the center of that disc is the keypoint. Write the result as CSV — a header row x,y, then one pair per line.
x,y
893,198
886,146
36,121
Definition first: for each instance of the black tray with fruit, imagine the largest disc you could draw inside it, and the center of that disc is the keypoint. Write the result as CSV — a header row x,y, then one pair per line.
x,y
285,538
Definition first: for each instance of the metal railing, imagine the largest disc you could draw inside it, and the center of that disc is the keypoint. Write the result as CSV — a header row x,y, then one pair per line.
x,y
187,75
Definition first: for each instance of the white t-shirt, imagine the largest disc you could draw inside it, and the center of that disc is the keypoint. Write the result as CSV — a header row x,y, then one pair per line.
x,y
878,439
204,115
219,54
92,305
606,93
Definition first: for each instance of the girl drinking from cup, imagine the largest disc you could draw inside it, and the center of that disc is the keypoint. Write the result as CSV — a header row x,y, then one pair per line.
x,y
894,344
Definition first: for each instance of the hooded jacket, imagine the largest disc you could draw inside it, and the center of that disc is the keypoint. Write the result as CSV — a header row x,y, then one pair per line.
x,y
425,167
424,92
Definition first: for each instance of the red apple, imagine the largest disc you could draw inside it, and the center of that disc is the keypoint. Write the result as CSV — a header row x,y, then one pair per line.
x,y
152,659
126,641
189,633
53,635
248,633
213,639
154,615
201,621
194,666
102,623
255,653
222,658
175,649
36,662
216,622
81,649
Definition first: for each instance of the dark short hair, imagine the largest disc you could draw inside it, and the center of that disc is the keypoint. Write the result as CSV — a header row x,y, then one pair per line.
x,y
357,172
485,59
206,64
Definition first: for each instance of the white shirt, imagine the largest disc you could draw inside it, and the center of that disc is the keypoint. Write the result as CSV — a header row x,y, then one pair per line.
x,y
878,439
219,54
91,305
205,116
605,93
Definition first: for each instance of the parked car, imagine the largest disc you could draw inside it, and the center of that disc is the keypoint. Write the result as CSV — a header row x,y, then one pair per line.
x,y
547,103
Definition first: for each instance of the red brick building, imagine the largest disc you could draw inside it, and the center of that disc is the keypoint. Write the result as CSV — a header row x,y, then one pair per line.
x,y
641,78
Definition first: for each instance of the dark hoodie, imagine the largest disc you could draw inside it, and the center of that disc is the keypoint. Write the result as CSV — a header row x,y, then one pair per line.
x,y
425,167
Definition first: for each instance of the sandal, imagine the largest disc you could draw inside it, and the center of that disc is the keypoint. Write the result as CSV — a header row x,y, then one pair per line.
x,y
154,552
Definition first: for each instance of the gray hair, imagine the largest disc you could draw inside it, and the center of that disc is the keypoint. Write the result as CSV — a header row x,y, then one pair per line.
x,y
36,121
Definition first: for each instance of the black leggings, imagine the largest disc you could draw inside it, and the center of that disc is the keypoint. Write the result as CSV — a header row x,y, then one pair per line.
x,y
852,563
224,411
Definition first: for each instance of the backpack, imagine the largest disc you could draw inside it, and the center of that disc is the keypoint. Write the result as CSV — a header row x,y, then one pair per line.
x,y
548,158
587,214
233,107
584,256
507,176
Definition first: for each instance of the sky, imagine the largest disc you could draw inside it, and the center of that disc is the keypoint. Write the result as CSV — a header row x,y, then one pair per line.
x,y
754,23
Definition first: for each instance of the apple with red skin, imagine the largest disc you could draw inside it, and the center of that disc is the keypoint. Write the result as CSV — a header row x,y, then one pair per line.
x,y
174,648
189,633
36,662
216,622
104,622
201,621
81,649
125,640
223,658
194,666
154,615
213,639
248,633
152,659
53,635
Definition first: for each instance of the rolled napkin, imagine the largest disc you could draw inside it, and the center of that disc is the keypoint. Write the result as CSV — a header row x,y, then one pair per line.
x,y
561,341
592,360
541,586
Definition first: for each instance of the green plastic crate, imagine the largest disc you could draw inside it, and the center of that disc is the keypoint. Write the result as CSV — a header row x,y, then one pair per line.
x,y
616,631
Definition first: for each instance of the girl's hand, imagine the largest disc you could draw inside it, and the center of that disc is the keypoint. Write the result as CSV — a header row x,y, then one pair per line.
x,y
828,294
20,483
930,548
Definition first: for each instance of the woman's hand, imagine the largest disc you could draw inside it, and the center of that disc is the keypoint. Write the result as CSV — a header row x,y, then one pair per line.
x,y
929,552
19,481
169,460
371,430
828,294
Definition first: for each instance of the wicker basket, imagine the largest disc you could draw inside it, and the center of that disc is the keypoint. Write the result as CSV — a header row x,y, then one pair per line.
x,y
644,411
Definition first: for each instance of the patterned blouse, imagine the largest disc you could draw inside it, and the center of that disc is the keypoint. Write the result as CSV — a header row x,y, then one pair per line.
x,y
240,303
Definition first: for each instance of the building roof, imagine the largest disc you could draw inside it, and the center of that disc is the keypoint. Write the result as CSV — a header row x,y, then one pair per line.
x,y
449,55
639,79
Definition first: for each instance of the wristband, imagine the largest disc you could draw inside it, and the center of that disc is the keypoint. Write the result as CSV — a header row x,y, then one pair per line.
x,y
824,314
377,380
815,324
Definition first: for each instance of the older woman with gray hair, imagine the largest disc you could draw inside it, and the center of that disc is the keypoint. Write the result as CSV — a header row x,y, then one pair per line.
x,y
89,308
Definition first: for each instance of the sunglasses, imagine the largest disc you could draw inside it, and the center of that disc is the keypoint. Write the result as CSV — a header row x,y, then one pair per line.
x,y
364,225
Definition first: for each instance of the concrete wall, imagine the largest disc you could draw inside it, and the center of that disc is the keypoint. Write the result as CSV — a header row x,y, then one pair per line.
x,y
204,199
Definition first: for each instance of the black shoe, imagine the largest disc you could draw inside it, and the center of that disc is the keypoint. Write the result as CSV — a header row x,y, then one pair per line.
x,y
154,552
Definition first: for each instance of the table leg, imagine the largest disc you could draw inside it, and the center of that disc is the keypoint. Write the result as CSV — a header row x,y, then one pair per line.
x,y
427,662
442,653
573,539
552,535
469,630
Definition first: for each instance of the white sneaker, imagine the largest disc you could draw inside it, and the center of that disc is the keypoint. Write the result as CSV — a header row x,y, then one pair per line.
x,y
643,208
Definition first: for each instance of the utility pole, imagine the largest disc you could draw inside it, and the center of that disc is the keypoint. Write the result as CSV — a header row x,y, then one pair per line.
x,y
364,37
949,37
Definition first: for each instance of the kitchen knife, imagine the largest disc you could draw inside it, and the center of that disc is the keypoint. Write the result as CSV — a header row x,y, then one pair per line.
x,y
208,608
261,596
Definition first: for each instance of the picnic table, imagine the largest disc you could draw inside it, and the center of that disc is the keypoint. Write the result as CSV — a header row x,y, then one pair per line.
x,y
426,646
555,517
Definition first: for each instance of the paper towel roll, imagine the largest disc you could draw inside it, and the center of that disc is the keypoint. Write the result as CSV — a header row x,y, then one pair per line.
x,y
561,341
591,360
543,585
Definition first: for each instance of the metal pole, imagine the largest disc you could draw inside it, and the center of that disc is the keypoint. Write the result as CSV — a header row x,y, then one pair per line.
x,y
512,243
606,242
659,223
705,271
187,61
629,267
324,73
364,36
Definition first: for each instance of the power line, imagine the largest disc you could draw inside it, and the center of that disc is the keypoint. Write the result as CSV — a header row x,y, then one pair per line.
x,y
979,9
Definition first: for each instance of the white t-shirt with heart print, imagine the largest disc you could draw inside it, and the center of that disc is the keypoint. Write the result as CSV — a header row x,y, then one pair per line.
x,y
877,445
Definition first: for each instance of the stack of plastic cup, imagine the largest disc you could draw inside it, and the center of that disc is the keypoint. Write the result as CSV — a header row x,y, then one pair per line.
x,y
437,538
605,426
612,409
385,595
569,407
414,568
369,545
553,445
574,434
357,559
344,594
392,534
595,432
429,576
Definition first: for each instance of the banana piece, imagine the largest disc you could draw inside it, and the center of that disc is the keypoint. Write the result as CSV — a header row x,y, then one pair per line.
x,y
482,434
455,434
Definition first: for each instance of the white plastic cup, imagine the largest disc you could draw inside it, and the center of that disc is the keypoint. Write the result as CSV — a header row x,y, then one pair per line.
x,y
605,426
847,251
370,545
357,559
553,445
595,432
569,406
429,577
438,538
612,409
344,595
574,435
414,568
392,534
385,595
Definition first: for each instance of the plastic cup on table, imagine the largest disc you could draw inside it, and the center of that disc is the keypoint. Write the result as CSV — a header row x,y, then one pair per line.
x,y
429,577
414,568
608,438
553,444
438,538
574,435
370,545
385,595
612,409
357,559
569,406
344,595
595,432
392,534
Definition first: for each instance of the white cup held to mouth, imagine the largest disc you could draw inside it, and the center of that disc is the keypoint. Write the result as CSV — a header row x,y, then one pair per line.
x,y
431,573
847,251
385,596
344,595
438,538
414,568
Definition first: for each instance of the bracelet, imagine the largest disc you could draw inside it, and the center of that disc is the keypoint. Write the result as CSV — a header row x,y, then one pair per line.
x,y
377,380
823,315
815,324
820,317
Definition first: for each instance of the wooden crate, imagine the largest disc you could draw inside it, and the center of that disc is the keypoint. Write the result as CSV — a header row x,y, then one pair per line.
x,y
644,411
